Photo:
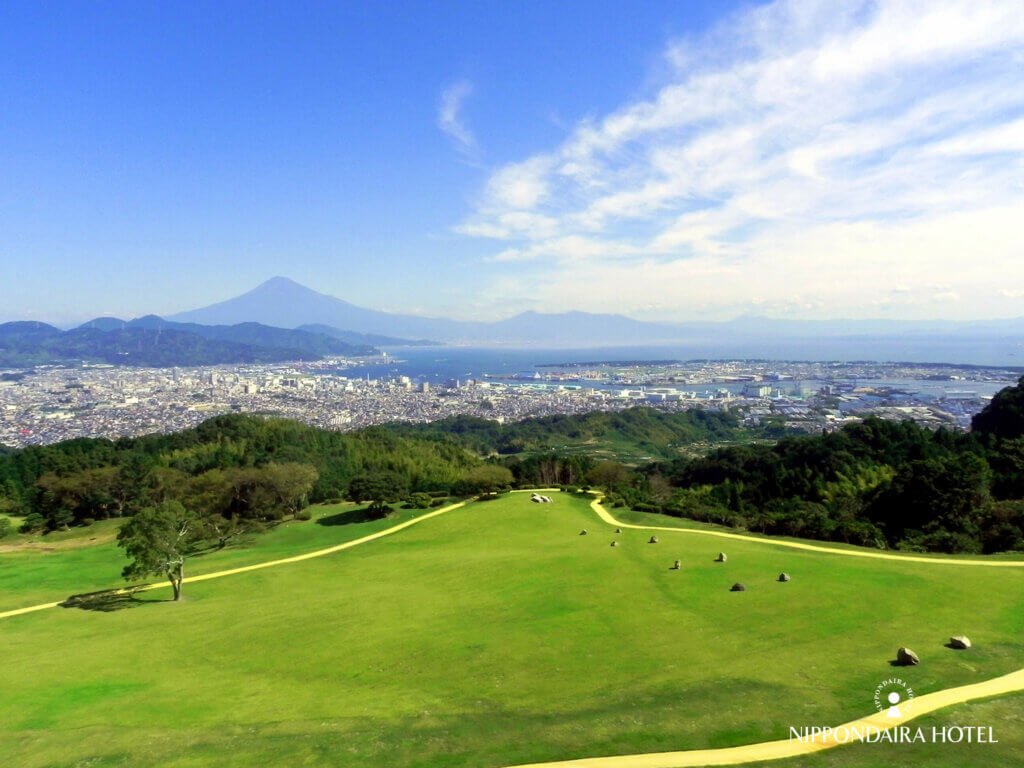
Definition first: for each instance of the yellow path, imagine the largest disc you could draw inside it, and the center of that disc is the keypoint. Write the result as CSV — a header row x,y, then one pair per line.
x,y
267,564
605,515
776,750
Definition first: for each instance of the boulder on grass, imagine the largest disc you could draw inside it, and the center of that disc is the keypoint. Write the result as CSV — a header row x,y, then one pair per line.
x,y
583,532
960,642
654,540
783,577
737,587
615,543
618,530
677,565
721,558
906,657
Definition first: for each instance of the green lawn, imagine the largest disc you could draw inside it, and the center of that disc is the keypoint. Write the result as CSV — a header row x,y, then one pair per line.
x,y
492,635
653,519
53,566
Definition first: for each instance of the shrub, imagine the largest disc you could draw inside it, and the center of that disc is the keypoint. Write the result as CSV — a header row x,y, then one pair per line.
x,y
419,500
304,514
33,523
5,526
644,507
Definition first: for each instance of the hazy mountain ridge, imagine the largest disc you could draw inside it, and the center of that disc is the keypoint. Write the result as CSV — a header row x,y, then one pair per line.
x,y
260,335
285,303
132,346
153,341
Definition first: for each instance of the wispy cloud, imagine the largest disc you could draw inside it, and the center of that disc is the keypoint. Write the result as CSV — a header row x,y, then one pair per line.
x,y
449,117
802,157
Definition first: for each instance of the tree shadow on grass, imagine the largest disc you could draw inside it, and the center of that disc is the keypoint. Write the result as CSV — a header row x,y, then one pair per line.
x,y
106,601
350,517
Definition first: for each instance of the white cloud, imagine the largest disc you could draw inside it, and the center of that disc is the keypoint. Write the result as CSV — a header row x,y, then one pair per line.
x,y
449,118
800,157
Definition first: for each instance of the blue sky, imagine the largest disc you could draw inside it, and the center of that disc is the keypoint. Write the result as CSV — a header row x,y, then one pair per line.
x,y
666,160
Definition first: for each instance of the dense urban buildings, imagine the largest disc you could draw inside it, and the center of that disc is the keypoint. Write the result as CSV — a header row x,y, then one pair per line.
x,y
48,404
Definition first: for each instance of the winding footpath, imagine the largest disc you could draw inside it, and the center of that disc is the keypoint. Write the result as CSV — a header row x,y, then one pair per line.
x,y
748,753
259,566
607,517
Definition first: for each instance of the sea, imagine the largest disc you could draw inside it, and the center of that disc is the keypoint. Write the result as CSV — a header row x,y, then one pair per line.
x,y
441,364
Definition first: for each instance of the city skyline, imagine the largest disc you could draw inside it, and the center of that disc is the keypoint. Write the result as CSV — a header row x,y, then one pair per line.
x,y
669,164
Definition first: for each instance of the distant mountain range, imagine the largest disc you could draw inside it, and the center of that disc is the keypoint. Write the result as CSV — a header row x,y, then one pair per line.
x,y
287,304
283,320
153,341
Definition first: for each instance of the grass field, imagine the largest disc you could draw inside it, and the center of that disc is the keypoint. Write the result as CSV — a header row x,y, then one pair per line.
x,y
39,568
494,634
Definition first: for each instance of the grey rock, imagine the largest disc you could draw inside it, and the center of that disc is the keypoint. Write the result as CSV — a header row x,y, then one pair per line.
x,y
783,577
960,642
737,587
906,657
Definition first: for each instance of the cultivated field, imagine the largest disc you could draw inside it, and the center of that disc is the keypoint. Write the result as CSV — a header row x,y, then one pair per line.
x,y
491,635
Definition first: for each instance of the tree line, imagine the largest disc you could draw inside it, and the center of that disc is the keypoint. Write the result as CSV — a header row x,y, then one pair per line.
x,y
643,430
874,483
236,468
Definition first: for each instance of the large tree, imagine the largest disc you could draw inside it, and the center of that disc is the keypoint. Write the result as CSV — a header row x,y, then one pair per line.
x,y
378,488
157,540
488,478
609,475
290,484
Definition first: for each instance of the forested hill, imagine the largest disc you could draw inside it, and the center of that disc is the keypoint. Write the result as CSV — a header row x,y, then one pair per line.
x,y
154,343
235,463
645,431
258,335
877,483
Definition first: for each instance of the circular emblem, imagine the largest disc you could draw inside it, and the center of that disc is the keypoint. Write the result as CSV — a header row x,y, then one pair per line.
x,y
894,697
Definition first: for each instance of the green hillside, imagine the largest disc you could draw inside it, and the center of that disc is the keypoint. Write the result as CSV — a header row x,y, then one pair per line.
x,y
491,635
